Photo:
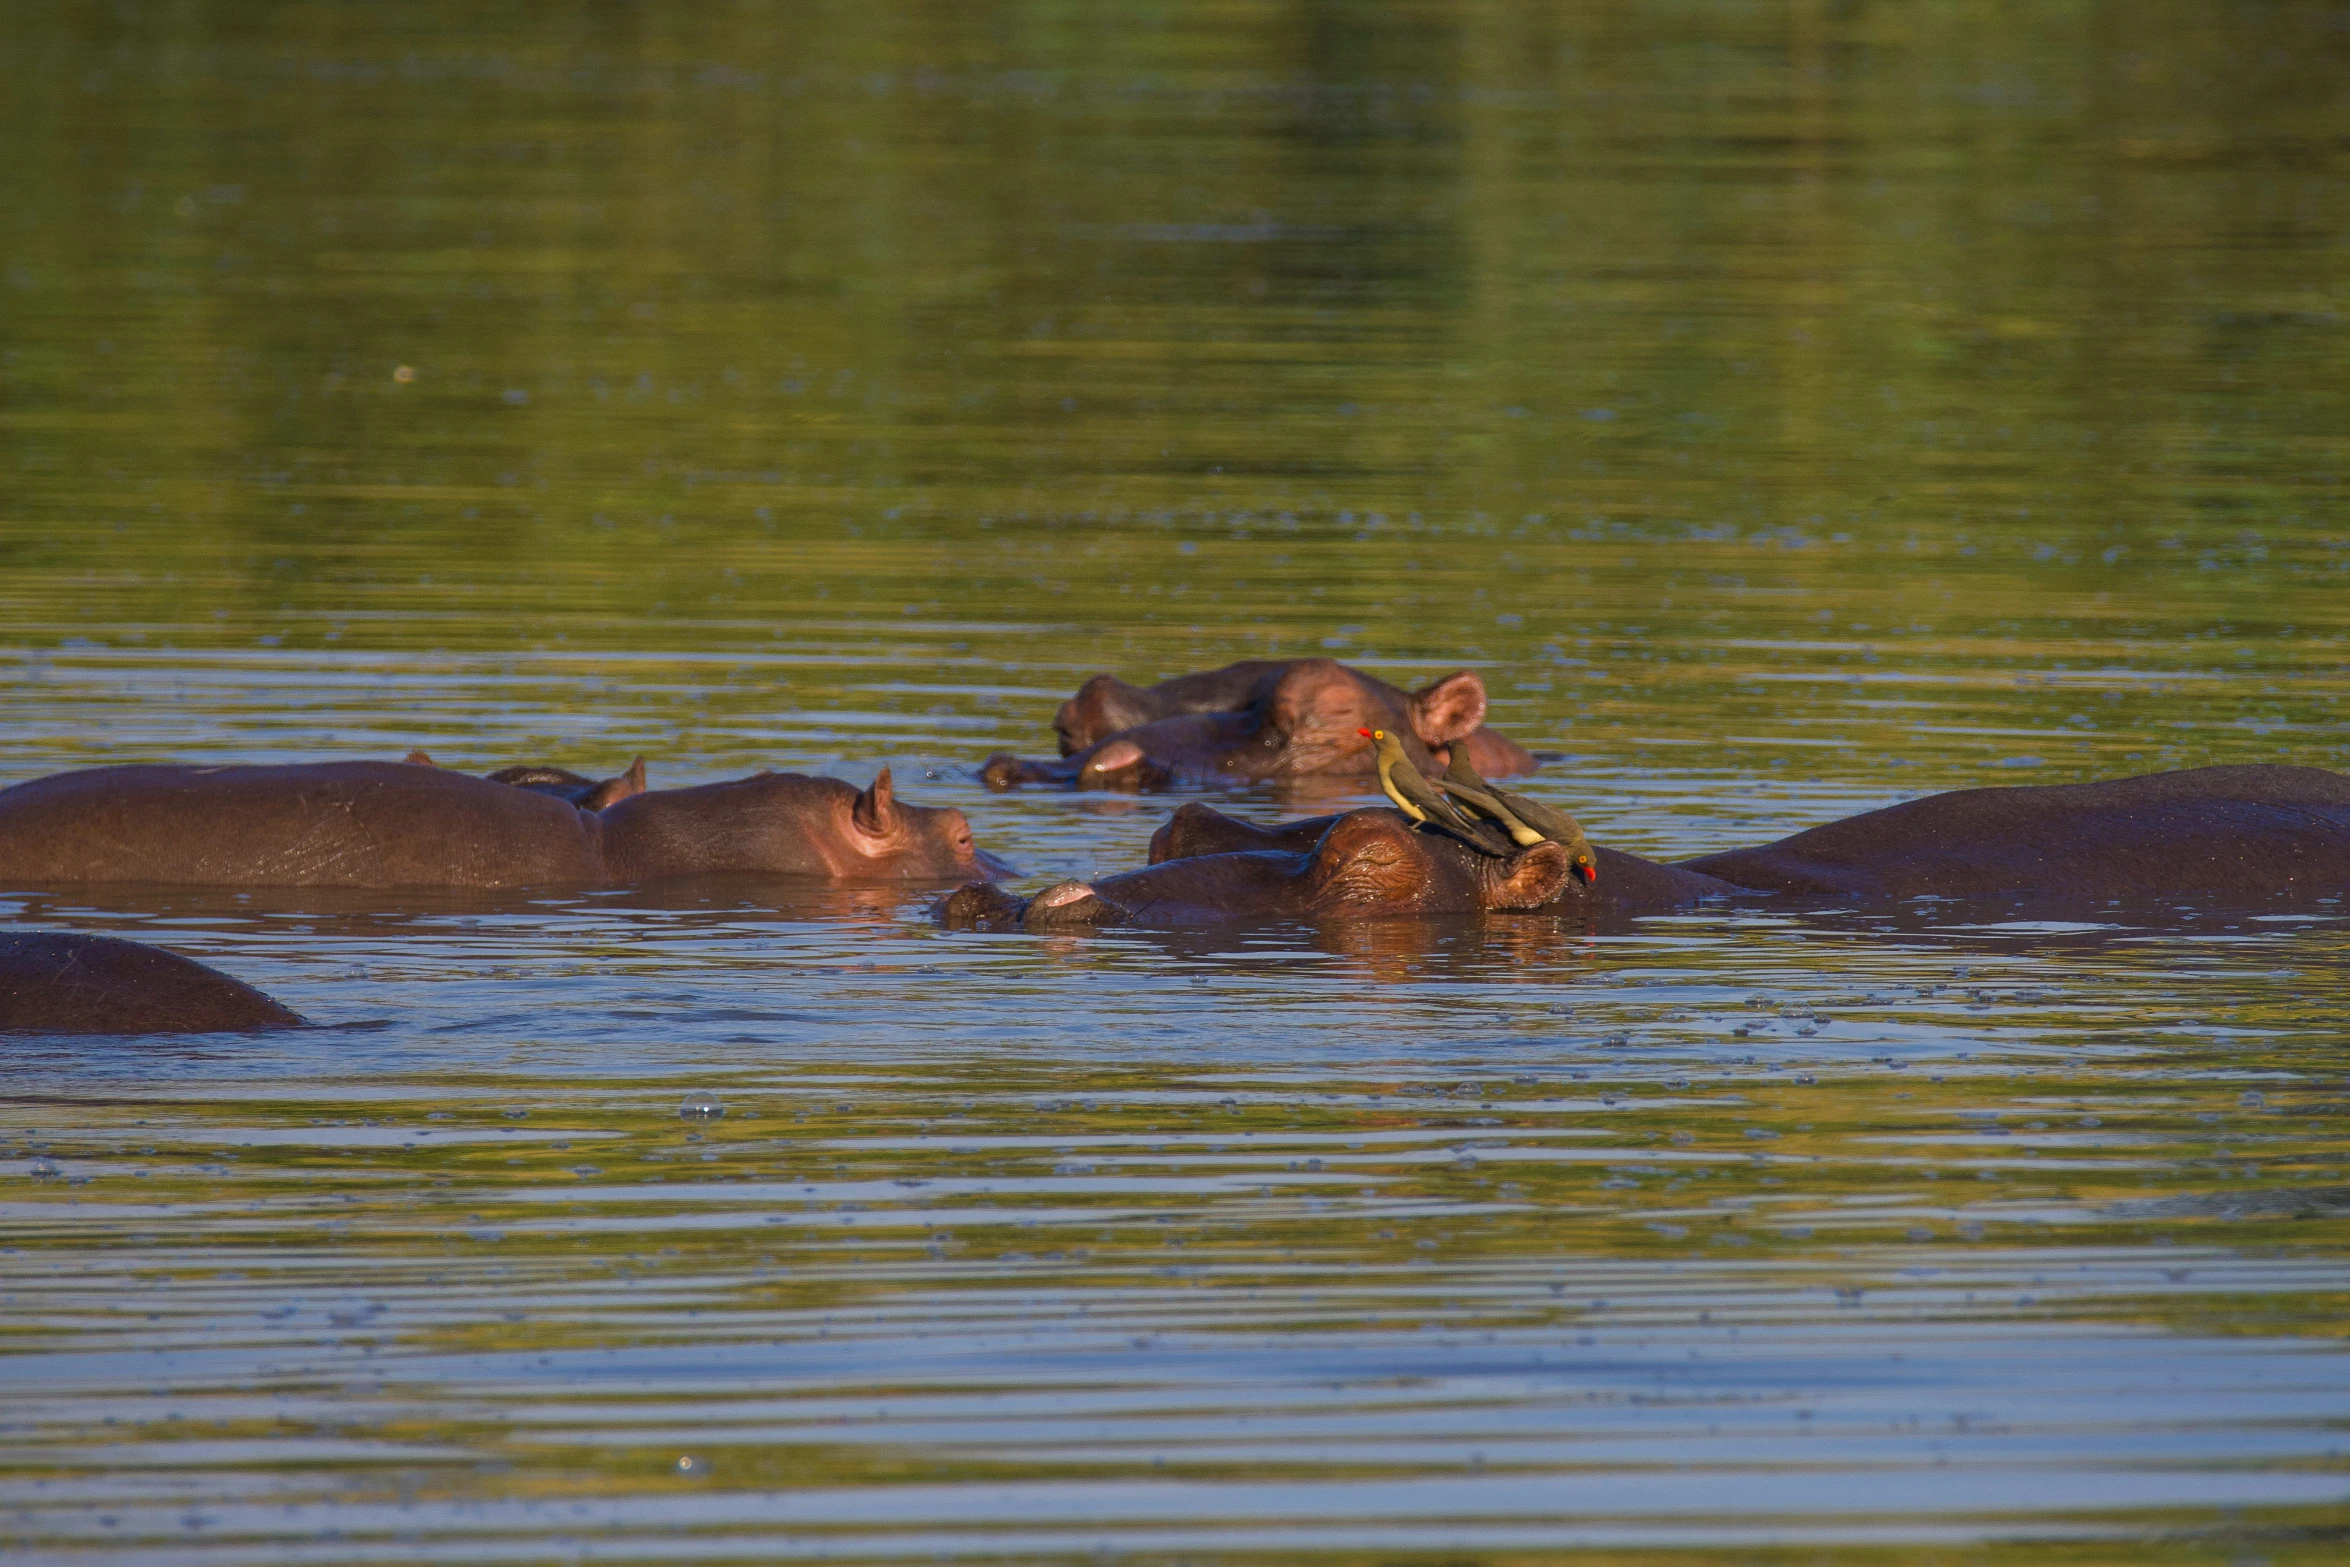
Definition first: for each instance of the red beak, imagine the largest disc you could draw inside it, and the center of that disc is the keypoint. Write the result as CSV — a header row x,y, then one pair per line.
x,y
1365,733
1589,873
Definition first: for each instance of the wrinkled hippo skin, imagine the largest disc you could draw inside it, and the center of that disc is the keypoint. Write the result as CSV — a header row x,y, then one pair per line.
x,y
58,982
392,824
1364,864
1627,884
2208,834
589,794
1251,722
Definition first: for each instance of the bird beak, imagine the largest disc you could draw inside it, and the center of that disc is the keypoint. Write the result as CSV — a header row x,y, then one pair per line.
x,y
1588,871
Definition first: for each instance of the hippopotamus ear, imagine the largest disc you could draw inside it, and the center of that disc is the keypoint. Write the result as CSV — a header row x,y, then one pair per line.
x,y
614,790
876,810
1102,706
1535,877
419,759
1449,710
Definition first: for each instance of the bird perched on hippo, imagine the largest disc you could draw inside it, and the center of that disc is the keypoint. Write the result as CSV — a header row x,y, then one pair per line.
x,y
1482,815
2212,836
397,824
1256,721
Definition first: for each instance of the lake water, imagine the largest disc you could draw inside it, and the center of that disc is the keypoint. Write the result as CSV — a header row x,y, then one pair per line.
x,y
1788,409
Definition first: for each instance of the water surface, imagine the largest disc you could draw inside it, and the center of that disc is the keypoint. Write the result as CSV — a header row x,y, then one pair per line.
x,y
1787,409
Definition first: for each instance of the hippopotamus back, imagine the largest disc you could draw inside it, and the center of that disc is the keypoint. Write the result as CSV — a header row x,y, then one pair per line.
x,y
342,824
64,982
2208,834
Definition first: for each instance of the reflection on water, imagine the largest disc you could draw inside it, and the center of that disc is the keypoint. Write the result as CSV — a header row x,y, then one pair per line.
x,y
1787,408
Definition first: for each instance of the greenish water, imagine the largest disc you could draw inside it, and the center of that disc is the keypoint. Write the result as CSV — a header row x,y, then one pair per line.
x,y
1787,408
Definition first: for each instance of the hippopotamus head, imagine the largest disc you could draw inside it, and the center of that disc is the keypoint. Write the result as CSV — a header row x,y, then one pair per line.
x,y
790,824
1365,864
1300,718
1376,862
1102,707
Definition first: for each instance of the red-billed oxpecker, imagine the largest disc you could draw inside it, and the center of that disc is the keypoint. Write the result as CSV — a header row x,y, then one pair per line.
x,y
1422,803
1528,822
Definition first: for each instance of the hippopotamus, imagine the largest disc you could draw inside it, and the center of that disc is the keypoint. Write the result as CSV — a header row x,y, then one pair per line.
x,y
2206,834
1622,884
1362,863
1256,721
589,794
392,824
59,982
2213,835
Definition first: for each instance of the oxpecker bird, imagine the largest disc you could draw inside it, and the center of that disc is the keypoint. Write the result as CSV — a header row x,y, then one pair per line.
x,y
1528,822
1423,803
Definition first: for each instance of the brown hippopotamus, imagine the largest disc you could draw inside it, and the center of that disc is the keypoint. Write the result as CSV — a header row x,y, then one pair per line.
x,y
2211,835
1255,721
1361,864
2207,834
59,982
589,794
1625,884
390,824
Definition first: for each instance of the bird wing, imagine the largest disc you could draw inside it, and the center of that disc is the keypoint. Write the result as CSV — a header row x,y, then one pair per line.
x,y
1476,835
1446,817
1475,798
1555,825
1457,769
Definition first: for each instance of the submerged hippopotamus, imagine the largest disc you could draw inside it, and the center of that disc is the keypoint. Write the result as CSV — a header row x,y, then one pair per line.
x,y
1360,864
1258,720
589,794
1622,883
2207,834
59,982
392,824
2214,835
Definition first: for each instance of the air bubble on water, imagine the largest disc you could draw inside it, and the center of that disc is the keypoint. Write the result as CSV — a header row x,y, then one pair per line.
x,y
700,1107
46,1169
688,1464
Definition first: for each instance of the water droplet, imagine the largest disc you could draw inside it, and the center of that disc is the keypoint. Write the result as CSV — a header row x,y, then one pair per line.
x,y
700,1107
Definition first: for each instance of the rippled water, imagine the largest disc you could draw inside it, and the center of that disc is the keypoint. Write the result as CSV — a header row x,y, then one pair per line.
x,y
1788,409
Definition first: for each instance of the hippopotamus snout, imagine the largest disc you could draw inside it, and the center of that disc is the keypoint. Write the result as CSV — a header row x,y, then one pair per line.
x,y
955,828
1120,763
